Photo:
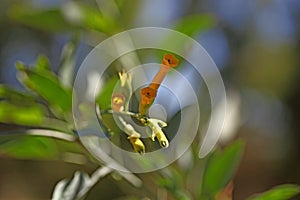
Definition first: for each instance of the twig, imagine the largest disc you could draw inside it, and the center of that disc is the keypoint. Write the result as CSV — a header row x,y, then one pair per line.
x,y
99,173
40,132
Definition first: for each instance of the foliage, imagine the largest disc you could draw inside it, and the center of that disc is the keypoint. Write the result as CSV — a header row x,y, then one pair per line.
x,y
281,192
220,169
44,112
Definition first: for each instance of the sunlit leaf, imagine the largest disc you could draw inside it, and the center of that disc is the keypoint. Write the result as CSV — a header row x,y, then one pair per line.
x,y
87,17
29,147
26,114
282,192
42,63
173,183
46,85
71,16
24,146
104,97
11,94
46,20
220,168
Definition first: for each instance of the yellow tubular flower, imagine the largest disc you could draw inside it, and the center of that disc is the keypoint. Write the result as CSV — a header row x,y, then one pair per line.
x,y
137,144
163,141
156,125
123,77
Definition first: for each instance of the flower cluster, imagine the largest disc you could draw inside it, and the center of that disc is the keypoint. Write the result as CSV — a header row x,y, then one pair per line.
x,y
120,101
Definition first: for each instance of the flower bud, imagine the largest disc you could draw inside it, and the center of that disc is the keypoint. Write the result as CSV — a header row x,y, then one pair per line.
x,y
137,144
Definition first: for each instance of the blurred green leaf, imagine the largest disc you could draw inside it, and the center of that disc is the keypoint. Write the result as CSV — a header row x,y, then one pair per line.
x,y
42,63
88,17
46,20
220,168
195,24
29,147
104,97
282,192
67,63
168,184
23,109
46,84
71,16
171,180
174,183
37,147
25,114
13,95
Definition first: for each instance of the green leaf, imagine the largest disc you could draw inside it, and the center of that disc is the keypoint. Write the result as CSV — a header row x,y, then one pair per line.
x,y
42,63
104,97
25,114
46,20
23,109
174,184
46,84
71,16
168,184
220,168
171,181
195,24
34,147
88,17
37,147
11,94
282,192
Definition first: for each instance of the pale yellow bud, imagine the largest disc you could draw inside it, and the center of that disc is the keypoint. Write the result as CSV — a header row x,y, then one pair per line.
x,y
137,144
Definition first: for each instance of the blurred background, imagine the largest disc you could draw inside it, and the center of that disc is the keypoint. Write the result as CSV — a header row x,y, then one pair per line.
x,y
255,45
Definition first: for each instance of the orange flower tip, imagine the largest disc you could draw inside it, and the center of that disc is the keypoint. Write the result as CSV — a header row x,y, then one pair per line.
x,y
148,92
170,60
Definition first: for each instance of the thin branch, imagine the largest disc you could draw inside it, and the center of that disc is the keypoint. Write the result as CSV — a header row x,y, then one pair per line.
x,y
100,173
50,133
40,132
